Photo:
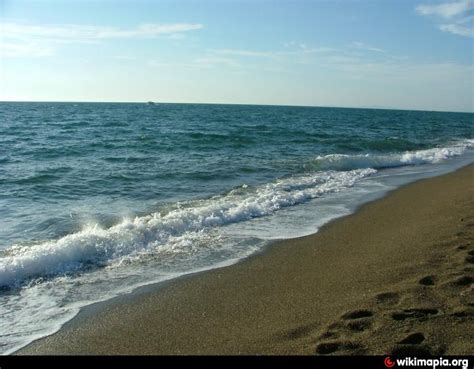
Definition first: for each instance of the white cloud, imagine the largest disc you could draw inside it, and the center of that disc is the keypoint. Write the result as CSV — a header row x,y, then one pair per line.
x,y
213,61
204,62
446,10
300,45
457,29
363,46
234,58
299,49
454,12
284,60
240,52
86,32
23,40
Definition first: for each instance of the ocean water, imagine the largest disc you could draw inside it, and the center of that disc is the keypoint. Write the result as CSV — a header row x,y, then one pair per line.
x,y
99,199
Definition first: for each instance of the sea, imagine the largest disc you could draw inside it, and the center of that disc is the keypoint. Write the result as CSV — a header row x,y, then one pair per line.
x,y
98,199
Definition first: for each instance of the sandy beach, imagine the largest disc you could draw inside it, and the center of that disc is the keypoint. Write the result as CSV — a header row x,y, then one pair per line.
x,y
395,277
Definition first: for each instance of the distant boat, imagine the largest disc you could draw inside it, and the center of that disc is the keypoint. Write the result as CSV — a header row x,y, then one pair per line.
x,y
150,103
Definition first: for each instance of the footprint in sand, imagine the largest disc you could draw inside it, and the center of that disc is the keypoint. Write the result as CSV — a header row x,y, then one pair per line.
x,y
469,260
356,314
413,339
355,321
429,280
465,246
463,281
414,350
350,323
358,320
359,325
327,347
464,313
415,345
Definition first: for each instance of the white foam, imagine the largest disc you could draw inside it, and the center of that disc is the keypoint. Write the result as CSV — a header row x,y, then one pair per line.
x,y
135,239
152,235
379,161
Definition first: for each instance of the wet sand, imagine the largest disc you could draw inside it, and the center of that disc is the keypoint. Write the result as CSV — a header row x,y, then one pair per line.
x,y
395,277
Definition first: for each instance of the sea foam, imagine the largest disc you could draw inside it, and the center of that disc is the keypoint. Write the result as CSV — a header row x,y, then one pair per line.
x,y
141,237
381,161
133,240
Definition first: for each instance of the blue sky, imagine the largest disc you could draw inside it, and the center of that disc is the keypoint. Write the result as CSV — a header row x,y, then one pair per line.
x,y
377,53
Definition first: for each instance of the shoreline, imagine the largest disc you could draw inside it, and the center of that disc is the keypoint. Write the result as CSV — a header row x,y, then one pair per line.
x,y
336,292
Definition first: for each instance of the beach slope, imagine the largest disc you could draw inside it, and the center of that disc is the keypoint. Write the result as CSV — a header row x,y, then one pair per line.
x,y
395,277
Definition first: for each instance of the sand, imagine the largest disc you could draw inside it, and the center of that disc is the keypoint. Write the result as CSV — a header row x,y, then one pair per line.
x,y
395,277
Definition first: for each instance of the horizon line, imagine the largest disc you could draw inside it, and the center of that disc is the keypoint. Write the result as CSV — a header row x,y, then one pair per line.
x,y
238,104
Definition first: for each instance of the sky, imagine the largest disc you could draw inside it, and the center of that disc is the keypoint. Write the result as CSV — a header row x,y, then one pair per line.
x,y
404,54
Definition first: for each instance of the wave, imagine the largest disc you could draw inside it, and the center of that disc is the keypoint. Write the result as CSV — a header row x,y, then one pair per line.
x,y
151,235
160,233
382,161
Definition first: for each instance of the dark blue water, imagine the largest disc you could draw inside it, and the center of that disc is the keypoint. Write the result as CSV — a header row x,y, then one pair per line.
x,y
107,197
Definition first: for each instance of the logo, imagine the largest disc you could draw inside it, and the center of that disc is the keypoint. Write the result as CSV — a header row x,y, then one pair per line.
x,y
389,363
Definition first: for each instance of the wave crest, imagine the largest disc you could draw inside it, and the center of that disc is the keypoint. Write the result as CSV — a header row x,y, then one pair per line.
x,y
381,161
150,235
